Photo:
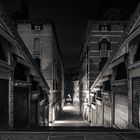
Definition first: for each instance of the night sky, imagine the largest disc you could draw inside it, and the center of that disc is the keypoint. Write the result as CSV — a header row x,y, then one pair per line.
x,y
70,17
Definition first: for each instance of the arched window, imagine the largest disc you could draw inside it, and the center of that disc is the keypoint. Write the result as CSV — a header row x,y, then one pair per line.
x,y
37,49
37,43
137,54
2,53
104,44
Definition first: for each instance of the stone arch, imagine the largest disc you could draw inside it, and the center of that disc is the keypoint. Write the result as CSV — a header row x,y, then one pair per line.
x,y
104,44
104,38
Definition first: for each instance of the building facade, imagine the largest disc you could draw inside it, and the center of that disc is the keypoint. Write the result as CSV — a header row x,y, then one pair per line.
x,y
39,35
118,83
102,38
23,89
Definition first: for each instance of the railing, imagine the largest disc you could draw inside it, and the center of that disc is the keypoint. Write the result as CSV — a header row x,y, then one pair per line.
x,y
104,53
36,53
100,53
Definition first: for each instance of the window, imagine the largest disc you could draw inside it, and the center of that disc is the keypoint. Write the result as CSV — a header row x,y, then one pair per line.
x,y
105,27
104,44
37,27
37,43
36,51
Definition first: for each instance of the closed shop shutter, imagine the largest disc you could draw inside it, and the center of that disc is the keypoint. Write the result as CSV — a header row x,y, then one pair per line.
x,y
136,102
20,107
41,115
99,116
46,115
3,103
107,115
34,113
93,117
121,106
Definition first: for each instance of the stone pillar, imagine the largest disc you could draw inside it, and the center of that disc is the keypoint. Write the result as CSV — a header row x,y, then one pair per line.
x,y
11,102
11,62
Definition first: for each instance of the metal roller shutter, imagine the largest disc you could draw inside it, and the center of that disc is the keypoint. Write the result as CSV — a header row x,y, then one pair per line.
x,y
107,115
3,103
93,117
99,115
34,113
20,107
136,102
121,106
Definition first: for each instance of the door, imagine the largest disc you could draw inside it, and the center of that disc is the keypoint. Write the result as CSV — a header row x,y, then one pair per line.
x,y
107,115
21,107
3,103
99,115
93,117
34,113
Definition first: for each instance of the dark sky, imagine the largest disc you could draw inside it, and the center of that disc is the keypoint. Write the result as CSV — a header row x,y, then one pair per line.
x,y
70,17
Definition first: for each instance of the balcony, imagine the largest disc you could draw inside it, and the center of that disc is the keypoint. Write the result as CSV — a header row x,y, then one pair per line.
x,y
36,53
104,53
100,53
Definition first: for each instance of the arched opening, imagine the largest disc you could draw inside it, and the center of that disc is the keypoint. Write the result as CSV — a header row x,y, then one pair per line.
x,y
2,53
137,54
104,44
121,72
37,43
20,72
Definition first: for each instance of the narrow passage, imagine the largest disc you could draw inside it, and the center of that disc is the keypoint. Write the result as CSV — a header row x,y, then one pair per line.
x,y
70,117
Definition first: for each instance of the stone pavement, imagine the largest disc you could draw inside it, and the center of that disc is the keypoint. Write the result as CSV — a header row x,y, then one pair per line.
x,y
68,136
70,126
70,117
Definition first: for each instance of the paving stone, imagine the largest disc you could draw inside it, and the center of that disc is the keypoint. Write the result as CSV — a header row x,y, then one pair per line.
x,y
102,136
67,138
